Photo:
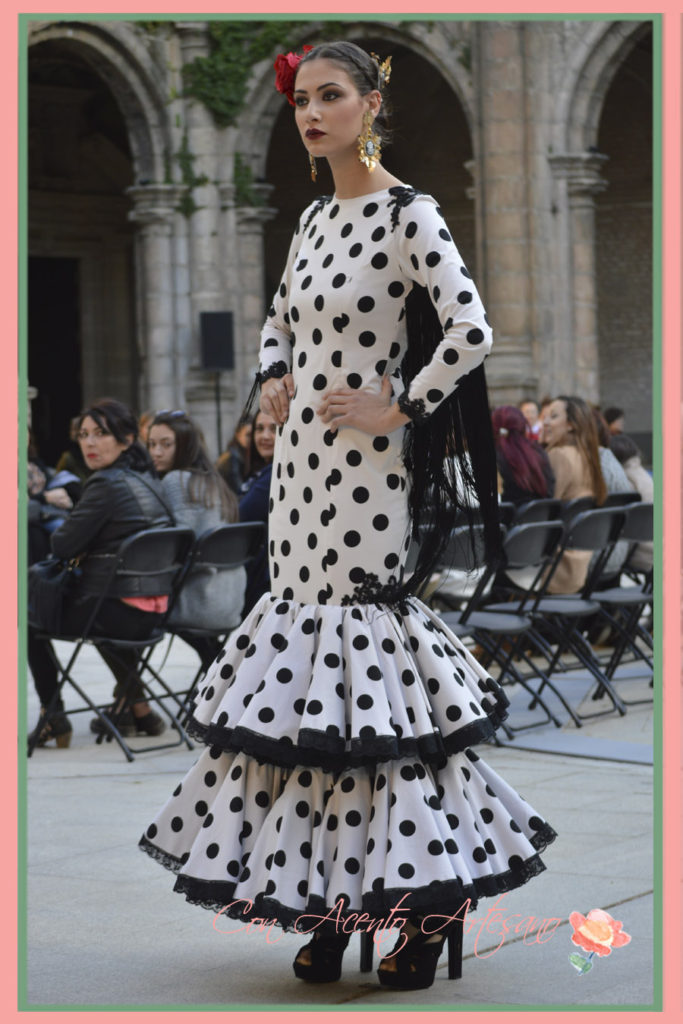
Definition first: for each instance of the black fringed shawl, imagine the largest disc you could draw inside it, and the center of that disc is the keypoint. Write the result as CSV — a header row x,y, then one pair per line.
x,y
450,455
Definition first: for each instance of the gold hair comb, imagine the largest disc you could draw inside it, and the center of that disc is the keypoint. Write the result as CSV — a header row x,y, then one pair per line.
x,y
384,69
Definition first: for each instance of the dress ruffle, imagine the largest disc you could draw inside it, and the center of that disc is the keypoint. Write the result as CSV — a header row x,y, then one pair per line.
x,y
283,844
320,787
342,686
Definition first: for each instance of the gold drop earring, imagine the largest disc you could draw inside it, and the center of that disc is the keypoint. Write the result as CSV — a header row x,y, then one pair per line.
x,y
369,148
314,169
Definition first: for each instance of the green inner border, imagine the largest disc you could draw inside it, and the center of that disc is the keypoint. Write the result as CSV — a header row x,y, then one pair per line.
x,y
656,19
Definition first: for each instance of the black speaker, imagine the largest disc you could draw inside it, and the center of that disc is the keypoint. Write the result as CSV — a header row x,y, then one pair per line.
x,y
216,341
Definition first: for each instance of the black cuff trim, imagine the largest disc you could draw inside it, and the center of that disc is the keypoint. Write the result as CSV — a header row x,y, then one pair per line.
x,y
413,407
276,370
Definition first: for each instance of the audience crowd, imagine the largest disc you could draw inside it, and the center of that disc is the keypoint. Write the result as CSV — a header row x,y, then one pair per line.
x,y
558,447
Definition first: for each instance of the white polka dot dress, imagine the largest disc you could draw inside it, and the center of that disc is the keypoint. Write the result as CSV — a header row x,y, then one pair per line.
x,y
337,727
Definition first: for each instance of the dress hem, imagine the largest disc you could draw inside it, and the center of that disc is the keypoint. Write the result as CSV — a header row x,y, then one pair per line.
x,y
435,897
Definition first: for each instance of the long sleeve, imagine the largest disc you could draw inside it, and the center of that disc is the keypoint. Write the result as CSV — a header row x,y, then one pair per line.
x,y
275,356
85,521
254,503
428,256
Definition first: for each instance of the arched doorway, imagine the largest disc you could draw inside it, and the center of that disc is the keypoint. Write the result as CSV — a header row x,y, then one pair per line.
x,y
81,337
623,219
430,148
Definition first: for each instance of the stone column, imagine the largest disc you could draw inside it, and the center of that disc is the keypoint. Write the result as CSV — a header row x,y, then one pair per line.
x,y
208,395
580,172
504,242
207,291
251,221
153,212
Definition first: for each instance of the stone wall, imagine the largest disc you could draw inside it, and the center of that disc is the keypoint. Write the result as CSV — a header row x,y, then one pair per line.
x,y
507,123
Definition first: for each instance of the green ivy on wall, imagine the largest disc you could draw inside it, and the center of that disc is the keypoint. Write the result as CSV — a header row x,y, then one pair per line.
x,y
185,161
220,80
243,180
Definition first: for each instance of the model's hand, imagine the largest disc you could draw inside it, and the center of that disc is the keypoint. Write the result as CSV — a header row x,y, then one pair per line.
x,y
275,397
368,411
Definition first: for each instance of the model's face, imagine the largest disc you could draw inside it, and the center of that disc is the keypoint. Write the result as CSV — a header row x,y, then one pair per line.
x,y
99,448
530,412
556,427
243,435
265,430
329,108
161,447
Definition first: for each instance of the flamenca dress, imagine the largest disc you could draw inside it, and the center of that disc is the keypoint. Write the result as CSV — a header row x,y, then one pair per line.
x,y
337,727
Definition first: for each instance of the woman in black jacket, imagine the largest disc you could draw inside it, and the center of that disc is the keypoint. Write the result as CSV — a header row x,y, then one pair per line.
x,y
121,497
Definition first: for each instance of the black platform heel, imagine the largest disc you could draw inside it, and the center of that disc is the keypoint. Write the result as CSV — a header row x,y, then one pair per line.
x,y
325,955
413,964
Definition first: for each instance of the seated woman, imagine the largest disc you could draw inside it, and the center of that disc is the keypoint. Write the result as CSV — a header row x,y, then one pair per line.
x,y
523,467
571,440
71,458
254,501
121,497
627,453
200,500
233,464
616,482
51,495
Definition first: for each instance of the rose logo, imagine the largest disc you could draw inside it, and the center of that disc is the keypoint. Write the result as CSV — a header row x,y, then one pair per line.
x,y
596,933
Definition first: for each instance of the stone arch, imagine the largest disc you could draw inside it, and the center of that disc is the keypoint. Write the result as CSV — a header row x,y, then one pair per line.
x,y
108,300
599,54
116,53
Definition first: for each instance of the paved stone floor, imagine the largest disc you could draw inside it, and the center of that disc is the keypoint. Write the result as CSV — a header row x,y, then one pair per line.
x,y
103,928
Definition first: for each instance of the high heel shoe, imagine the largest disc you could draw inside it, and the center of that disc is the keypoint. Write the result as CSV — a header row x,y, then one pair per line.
x,y
412,964
127,723
55,727
121,716
325,952
152,724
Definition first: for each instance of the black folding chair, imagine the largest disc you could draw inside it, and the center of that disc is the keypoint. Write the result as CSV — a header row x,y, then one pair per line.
x,y
560,616
228,546
619,498
622,607
571,509
500,628
540,510
157,555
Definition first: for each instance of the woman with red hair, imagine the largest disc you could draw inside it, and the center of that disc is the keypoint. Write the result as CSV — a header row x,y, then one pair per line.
x,y
524,469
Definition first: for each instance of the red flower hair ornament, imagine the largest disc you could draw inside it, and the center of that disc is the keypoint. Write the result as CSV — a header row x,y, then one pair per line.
x,y
285,71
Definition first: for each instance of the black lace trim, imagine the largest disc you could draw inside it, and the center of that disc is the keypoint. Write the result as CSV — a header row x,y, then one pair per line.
x,y
413,407
403,195
443,898
331,753
167,860
371,591
278,370
320,202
